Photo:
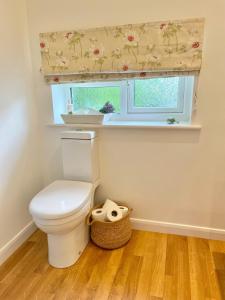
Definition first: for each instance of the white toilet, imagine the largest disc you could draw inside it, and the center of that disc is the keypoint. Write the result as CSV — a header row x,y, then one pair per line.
x,y
61,208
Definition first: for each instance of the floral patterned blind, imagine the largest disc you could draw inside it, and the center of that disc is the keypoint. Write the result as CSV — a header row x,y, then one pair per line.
x,y
128,51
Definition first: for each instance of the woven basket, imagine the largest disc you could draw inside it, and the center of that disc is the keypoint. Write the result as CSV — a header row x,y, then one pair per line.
x,y
110,235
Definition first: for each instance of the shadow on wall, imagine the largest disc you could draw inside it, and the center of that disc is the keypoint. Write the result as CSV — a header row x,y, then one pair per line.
x,y
160,136
19,164
53,155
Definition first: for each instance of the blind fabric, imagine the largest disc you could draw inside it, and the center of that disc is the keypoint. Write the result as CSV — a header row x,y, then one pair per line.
x,y
120,52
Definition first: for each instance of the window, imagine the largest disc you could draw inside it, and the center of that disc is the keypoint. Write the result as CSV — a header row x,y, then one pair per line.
x,y
154,99
158,94
96,96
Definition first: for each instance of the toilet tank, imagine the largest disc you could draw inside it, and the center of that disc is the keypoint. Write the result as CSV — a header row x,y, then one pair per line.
x,y
80,155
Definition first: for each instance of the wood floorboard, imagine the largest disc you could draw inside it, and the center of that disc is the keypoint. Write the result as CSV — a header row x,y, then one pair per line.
x,y
151,266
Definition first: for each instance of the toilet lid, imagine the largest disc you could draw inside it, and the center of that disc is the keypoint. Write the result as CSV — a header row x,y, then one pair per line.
x,y
60,199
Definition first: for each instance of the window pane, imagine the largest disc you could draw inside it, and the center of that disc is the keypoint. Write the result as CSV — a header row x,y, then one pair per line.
x,y
156,92
96,97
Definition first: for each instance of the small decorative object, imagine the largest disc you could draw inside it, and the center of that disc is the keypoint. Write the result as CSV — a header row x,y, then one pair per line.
x,y
70,107
107,108
172,121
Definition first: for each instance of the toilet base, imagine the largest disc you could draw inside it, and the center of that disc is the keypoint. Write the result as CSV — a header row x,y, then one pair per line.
x,y
65,249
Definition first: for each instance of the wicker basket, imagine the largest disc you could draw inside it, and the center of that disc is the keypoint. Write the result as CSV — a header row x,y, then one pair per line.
x,y
110,235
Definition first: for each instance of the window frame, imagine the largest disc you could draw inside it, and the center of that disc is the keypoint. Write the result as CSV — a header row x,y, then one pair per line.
x,y
130,113
183,112
133,109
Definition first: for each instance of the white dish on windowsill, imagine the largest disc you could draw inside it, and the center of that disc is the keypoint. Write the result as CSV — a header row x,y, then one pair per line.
x,y
82,118
86,116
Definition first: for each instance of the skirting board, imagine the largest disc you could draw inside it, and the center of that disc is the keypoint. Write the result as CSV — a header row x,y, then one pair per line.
x,y
16,241
139,224
179,229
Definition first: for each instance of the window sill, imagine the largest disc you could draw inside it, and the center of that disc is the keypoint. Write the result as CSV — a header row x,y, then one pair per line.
x,y
132,124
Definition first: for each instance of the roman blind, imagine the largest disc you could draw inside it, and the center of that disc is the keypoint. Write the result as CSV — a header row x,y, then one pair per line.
x,y
119,52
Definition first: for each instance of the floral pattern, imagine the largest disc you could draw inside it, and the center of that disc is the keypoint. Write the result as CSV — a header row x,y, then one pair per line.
x,y
134,50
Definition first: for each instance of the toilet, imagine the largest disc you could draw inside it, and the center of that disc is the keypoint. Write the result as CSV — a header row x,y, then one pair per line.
x,y
61,208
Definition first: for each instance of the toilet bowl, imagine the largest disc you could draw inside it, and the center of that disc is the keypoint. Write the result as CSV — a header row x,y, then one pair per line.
x,y
61,208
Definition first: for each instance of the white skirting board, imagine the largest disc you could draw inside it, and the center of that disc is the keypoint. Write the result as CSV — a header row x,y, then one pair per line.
x,y
139,224
179,229
16,241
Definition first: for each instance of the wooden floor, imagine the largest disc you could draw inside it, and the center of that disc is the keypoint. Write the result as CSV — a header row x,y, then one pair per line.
x,y
151,266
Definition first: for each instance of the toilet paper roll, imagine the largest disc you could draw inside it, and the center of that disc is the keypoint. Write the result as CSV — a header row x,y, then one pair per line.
x,y
124,210
109,204
99,214
114,214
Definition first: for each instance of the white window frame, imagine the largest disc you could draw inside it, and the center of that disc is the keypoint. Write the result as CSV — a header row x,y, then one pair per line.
x,y
128,112
133,109
181,113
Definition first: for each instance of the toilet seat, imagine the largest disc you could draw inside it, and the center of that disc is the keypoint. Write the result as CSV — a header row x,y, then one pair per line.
x,y
60,226
61,199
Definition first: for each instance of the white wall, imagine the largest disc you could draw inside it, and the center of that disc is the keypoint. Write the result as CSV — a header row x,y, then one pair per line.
x,y
165,175
20,173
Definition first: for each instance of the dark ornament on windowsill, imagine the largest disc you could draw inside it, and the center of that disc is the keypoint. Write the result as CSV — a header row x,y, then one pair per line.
x,y
171,121
108,108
